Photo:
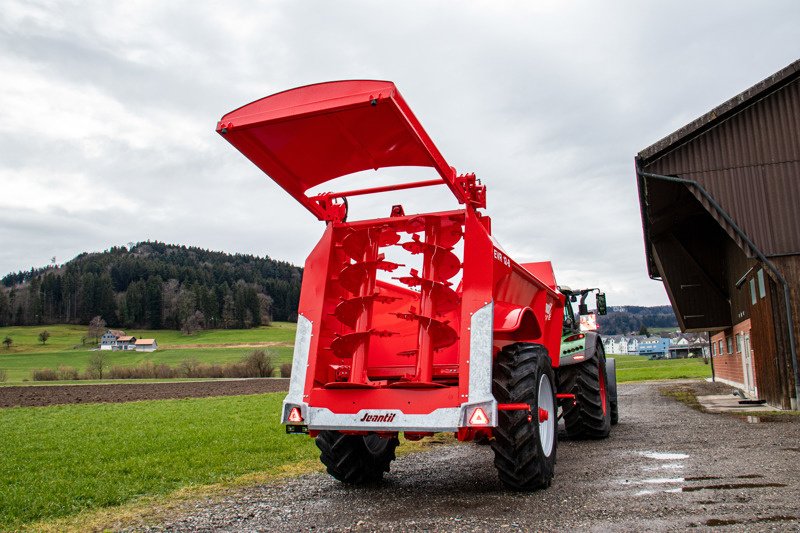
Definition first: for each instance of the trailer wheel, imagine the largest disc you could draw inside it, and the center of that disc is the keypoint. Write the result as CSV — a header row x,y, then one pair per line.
x,y
611,374
525,442
356,459
590,416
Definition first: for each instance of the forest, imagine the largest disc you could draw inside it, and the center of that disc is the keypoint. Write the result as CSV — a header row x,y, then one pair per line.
x,y
154,285
631,319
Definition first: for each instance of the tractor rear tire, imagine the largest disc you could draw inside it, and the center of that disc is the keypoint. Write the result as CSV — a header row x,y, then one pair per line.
x,y
590,416
356,459
525,442
611,374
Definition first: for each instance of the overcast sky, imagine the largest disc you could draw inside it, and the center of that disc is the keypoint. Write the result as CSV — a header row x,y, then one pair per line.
x,y
108,111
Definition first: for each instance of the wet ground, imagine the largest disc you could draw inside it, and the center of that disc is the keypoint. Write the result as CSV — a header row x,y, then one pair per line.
x,y
31,395
666,467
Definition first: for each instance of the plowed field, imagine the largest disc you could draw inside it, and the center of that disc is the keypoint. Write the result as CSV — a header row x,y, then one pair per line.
x,y
129,392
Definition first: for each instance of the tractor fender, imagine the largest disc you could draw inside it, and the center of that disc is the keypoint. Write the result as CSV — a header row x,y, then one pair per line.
x,y
593,349
611,378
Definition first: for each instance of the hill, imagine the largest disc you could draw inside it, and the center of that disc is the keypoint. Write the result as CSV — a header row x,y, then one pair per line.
x,y
631,318
154,285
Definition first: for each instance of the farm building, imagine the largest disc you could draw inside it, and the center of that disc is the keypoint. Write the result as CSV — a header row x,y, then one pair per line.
x,y
719,204
126,342
654,346
146,345
110,339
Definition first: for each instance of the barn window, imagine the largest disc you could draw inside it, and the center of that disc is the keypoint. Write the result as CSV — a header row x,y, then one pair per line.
x,y
753,291
729,344
762,290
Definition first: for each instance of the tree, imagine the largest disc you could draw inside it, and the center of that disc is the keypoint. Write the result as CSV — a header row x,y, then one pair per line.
x,y
193,322
97,326
8,341
644,331
5,308
43,336
97,363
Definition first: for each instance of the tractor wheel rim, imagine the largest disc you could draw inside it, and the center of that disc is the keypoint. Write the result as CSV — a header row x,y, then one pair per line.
x,y
547,427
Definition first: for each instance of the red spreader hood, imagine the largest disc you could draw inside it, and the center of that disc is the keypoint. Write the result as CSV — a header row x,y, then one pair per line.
x,y
309,135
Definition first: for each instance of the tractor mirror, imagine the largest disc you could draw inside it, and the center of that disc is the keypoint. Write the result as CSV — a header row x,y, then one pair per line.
x,y
601,303
583,309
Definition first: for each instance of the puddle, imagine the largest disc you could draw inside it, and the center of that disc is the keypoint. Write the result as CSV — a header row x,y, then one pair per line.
x,y
733,486
663,456
666,481
668,466
763,419
659,480
730,522
653,481
709,478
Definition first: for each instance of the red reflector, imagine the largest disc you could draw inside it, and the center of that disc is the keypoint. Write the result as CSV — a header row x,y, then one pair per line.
x,y
478,418
579,357
544,415
294,415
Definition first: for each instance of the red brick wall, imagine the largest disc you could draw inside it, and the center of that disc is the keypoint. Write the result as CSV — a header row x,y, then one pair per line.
x,y
729,365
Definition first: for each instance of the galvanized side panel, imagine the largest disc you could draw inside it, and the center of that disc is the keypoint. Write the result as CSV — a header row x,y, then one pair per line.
x,y
302,345
480,354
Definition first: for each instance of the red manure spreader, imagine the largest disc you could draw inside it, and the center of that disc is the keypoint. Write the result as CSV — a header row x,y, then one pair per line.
x,y
416,324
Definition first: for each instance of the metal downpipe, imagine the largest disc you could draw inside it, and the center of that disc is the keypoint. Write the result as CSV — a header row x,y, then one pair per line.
x,y
759,254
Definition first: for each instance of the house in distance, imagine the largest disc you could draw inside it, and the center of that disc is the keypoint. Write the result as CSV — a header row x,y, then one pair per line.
x,y
117,340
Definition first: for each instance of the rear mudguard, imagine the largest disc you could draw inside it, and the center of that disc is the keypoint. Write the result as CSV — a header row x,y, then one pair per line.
x,y
593,348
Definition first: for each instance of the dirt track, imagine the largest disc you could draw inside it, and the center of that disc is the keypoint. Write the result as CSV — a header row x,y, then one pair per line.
x,y
128,392
665,467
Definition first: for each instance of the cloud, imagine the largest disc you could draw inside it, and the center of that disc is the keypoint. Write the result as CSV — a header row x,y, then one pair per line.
x,y
108,114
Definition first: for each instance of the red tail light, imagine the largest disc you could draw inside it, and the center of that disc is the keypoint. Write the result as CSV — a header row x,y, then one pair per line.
x,y
478,418
577,337
295,416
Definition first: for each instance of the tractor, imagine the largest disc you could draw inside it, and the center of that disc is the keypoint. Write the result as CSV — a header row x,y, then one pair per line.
x,y
412,324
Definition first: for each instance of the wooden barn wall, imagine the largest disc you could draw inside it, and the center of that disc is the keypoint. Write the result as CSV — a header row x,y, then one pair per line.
x,y
790,268
768,360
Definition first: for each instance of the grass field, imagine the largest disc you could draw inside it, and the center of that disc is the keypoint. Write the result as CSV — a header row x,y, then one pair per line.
x,y
639,368
64,347
61,460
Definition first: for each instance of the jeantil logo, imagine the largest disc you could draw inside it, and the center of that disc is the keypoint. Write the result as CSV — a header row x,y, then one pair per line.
x,y
386,417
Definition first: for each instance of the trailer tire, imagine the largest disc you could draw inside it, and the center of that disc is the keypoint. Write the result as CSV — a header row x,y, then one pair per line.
x,y
613,402
589,417
356,459
525,444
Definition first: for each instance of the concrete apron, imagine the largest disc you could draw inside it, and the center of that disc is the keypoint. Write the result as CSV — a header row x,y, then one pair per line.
x,y
729,403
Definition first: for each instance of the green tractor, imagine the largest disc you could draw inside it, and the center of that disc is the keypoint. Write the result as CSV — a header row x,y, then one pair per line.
x,y
587,379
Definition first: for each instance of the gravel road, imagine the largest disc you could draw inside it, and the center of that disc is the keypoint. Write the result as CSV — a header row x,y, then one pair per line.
x,y
665,467
33,395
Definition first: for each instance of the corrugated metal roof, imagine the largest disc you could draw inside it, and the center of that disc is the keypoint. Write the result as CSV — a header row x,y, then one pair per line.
x,y
723,111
